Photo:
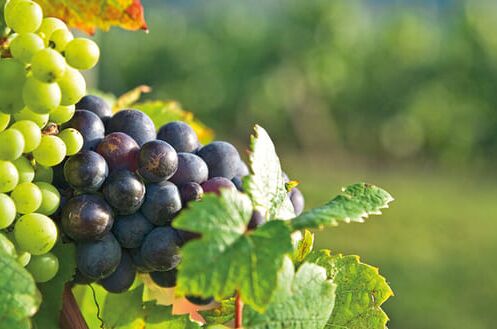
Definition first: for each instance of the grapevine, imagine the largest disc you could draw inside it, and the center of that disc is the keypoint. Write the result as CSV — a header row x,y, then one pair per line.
x,y
135,203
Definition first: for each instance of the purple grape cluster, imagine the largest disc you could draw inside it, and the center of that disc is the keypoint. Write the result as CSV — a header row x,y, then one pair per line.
x,y
125,187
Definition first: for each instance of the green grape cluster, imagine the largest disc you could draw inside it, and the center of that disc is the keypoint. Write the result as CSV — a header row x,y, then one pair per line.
x,y
40,84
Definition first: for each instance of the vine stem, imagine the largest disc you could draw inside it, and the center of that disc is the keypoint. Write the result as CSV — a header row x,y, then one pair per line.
x,y
70,315
238,311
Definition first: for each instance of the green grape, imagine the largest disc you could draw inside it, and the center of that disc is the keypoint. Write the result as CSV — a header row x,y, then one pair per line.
x,y
51,151
31,133
25,170
41,97
23,16
62,114
50,199
82,54
43,267
73,140
7,211
23,258
27,197
59,39
35,233
26,114
48,65
13,75
11,144
72,86
4,121
43,174
48,26
6,246
9,177
24,46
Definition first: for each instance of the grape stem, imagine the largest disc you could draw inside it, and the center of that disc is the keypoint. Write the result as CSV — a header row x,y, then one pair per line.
x,y
238,311
70,315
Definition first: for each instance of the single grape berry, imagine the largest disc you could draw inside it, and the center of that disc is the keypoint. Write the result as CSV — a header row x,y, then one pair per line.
x,y
216,184
89,125
133,123
138,261
86,171
222,159
124,191
190,192
158,161
96,105
162,203
191,168
9,177
256,220
160,249
165,279
35,233
82,53
120,151
238,182
179,135
297,199
123,277
43,267
131,230
98,259
87,217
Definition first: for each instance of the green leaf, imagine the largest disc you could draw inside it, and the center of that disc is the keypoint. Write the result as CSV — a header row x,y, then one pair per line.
x,y
356,203
228,258
160,317
222,314
19,298
162,112
304,247
304,300
266,185
361,290
48,315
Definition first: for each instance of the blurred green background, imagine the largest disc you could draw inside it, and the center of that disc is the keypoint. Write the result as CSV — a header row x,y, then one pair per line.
x,y
402,94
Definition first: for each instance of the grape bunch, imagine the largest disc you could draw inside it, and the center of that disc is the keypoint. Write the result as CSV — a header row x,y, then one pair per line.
x,y
39,87
127,185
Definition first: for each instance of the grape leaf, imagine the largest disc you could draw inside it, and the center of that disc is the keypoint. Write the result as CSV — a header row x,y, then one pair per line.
x,y
19,298
228,258
303,300
123,310
91,14
266,185
159,317
51,291
356,203
361,290
130,97
304,247
162,112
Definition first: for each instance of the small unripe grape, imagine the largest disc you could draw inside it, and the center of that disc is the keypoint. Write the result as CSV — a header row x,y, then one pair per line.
x,y
31,133
82,54
48,65
48,26
24,46
72,86
25,170
51,151
41,97
23,16
9,177
50,200
62,114
7,211
27,197
4,121
43,267
59,39
35,233
41,120
11,144
73,140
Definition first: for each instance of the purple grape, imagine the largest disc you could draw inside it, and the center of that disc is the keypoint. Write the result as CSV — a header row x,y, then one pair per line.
x,y
158,161
124,191
86,217
222,159
160,249
297,199
215,184
98,259
198,300
165,279
123,277
190,192
96,105
180,135
162,203
133,123
191,168
138,261
120,151
131,230
86,171
256,220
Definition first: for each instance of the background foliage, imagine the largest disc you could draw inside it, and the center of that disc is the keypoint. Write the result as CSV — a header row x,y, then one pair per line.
x,y
402,94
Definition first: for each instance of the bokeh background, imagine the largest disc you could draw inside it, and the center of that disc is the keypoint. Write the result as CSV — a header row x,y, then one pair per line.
x,y
402,94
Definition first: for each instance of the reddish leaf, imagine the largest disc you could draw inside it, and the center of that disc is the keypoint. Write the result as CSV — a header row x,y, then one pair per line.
x,y
88,15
